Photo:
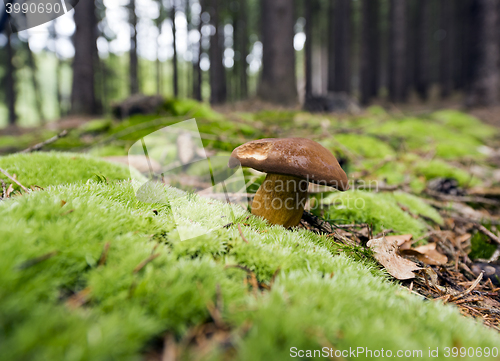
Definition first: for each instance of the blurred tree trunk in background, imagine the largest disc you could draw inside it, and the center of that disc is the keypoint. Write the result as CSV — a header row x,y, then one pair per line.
x,y
339,54
446,59
278,80
134,63
369,50
159,23
308,47
10,79
83,91
35,84
422,56
197,74
483,90
175,65
218,88
242,40
397,51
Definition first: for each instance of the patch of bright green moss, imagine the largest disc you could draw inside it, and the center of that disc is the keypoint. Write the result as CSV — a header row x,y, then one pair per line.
x,y
45,169
362,145
373,208
417,206
319,288
425,135
465,123
438,168
481,247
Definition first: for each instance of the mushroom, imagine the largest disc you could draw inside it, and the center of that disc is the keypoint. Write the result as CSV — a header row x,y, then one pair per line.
x,y
290,164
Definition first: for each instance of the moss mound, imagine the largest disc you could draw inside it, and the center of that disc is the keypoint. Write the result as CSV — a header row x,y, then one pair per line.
x,y
45,169
380,210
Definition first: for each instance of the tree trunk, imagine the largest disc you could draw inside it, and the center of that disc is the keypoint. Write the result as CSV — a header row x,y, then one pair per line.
x,y
35,84
174,59
308,48
339,60
83,91
422,49
369,50
397,51
483,90
10,79
197,74
278,80
446,60
243,44
134,62
218,88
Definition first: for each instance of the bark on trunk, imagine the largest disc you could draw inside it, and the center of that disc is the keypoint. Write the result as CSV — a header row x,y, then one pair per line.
x,y
134,62
10,79
197,74
484,54
369,50
446,60
422,49
308,48
278,80
397,51
83,91
218,88
340,52
174,59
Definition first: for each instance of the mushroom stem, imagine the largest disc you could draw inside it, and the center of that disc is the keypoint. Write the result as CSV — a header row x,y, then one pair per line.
x,y
281,199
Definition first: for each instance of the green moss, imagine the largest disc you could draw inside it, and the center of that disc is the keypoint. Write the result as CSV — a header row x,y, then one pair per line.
x,y
319,289
438,168
373,208
361,145
417,205
465,123
96,126
44,169
425,135
481,247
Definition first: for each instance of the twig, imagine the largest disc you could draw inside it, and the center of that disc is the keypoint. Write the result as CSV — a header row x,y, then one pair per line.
x,y
241,233
33,261
4,189
14,180
470,289
145,262
104,254
169,348
488,233
464,199
39,146
79,299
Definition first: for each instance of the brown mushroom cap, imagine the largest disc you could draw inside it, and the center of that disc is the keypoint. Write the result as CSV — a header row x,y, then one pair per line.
x,y
299,157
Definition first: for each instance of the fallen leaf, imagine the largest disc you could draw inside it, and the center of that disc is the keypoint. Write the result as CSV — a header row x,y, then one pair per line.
x,y
432,256
386,254
9,190
402,240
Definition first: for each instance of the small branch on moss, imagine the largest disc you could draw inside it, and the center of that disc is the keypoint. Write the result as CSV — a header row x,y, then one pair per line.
x,y
145,262
79,299
169,348
488,233
14,180
33,261
241,233
463,199
104,254
4,189
39,146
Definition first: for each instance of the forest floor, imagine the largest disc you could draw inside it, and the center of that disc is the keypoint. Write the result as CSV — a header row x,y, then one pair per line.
x,y
90,272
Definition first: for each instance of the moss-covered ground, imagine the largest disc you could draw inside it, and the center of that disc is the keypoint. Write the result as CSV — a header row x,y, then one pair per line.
x,y
88,272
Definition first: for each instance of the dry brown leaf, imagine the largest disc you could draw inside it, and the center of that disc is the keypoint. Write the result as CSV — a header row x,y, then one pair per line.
x,y
9,190
386,254
433,257
402,240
